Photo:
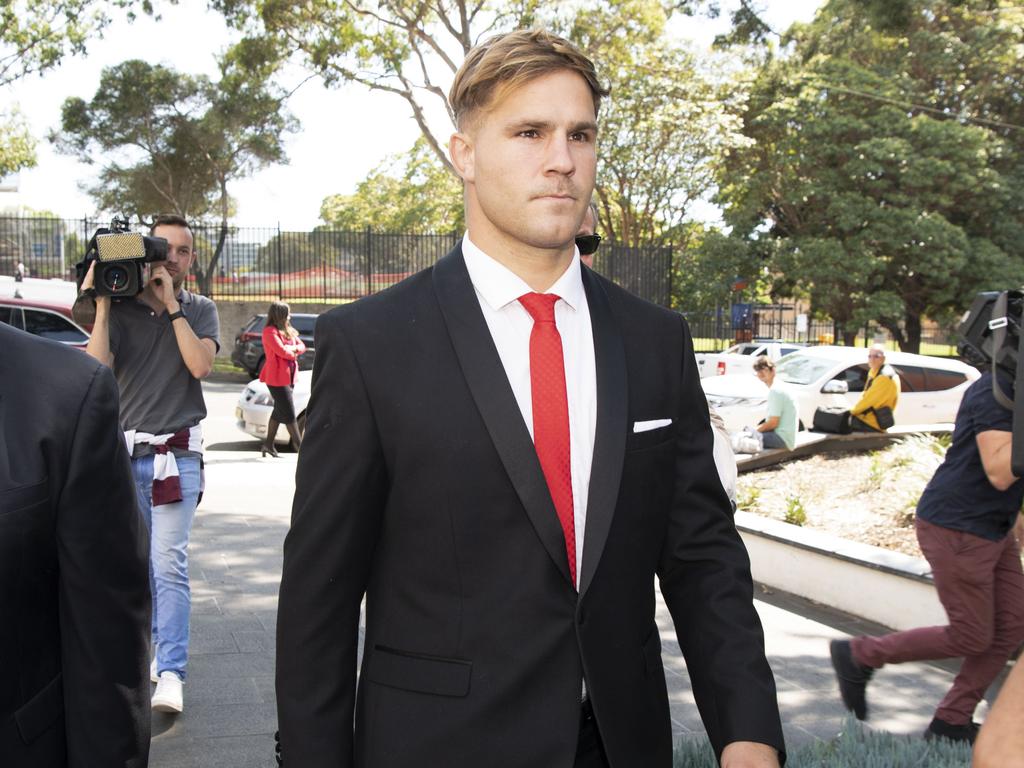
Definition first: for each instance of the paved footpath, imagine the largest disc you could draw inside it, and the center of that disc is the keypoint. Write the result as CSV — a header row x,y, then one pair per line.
x,y
229,717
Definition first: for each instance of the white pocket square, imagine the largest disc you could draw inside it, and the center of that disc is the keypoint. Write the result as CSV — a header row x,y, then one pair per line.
x,y
647,426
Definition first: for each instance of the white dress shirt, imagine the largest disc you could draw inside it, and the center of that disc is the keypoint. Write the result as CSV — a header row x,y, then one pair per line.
x,y
498,290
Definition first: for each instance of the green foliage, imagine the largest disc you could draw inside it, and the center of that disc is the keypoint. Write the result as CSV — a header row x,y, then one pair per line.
x,y
855,747
17,146
748,501
882,179
35,35
406,193
795,512
664,127
171,143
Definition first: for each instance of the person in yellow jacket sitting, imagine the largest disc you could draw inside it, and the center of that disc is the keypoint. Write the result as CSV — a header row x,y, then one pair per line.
x,y
881,391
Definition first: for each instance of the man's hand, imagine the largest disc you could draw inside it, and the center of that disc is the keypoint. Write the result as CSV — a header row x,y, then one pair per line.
x,y
749,754
89,281
163,288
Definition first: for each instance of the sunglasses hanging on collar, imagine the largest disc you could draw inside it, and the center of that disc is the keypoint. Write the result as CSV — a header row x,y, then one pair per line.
x,y
587,244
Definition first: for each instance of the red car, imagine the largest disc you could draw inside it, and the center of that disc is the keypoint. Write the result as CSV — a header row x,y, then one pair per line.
x,y
43,309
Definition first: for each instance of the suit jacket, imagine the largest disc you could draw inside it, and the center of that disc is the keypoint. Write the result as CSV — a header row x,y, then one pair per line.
x,y
74,582
418,485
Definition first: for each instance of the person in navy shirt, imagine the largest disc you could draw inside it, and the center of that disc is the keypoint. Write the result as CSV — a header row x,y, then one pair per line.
x,y
965,526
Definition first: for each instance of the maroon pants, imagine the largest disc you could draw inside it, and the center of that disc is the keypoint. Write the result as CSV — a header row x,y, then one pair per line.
x,y
981,586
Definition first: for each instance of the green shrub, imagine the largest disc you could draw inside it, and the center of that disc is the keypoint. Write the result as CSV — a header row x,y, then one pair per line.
x,y
749,499
855,747
795,512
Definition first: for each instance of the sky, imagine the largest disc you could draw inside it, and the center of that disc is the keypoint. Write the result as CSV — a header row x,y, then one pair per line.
x,y
344,133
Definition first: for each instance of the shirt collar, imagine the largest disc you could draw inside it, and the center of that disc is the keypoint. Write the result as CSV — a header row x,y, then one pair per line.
x,y
499,286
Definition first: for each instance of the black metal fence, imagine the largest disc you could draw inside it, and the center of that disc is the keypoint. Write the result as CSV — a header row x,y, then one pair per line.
x,y
322,265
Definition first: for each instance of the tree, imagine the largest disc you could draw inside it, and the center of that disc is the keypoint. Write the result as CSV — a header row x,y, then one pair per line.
x,y
664,124
35,36
17,146
171,142
882,178
406,193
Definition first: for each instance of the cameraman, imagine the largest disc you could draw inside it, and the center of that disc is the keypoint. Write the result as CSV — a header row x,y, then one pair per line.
x,y
159,345
965,526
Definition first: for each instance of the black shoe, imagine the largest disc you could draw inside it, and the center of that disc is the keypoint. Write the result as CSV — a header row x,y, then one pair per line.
x,y
940,729
853,678
269,451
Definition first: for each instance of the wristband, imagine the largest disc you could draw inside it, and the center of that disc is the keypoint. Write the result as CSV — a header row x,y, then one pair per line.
x,y
175,315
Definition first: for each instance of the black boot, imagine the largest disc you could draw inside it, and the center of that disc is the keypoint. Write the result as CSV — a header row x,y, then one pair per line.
x,y
293,431
268,445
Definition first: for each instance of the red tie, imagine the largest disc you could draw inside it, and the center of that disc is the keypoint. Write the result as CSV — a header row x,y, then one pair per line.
x,y
551,412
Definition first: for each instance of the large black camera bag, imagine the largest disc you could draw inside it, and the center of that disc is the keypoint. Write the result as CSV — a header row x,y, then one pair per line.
x,y
832,419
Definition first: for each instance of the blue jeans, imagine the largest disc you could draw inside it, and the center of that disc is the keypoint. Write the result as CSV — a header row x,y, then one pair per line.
x,y
169,528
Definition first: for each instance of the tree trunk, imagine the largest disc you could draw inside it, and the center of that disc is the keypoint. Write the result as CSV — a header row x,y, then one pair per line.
x,y
206,280
912,324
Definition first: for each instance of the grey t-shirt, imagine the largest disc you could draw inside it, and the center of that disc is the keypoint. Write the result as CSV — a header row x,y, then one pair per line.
x,y
158,393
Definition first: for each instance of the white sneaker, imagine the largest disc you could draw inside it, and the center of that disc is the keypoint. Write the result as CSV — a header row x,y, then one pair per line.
x,y
169,694
153,676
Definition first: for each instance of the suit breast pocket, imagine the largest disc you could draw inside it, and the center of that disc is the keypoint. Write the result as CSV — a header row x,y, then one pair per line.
x,y
651,438
24,497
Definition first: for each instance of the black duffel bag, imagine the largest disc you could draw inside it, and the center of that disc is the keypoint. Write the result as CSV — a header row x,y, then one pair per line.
x,y
832,419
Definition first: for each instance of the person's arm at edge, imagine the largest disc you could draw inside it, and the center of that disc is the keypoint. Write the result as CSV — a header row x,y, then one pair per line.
x,y
769,424
103,555
1000,742
996,447
340,490
99,340
705,579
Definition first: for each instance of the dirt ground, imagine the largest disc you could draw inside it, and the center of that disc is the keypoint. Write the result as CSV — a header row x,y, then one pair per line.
x,y
867,497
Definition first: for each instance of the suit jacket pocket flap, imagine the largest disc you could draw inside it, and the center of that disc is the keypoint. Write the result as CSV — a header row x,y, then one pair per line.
x,y
414,672
41,711
23,497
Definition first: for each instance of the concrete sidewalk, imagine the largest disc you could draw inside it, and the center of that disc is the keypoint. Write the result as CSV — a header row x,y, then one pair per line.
x,y
229,717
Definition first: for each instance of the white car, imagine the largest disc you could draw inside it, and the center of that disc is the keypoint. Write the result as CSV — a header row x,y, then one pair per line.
x,y
739,358
931,387
252,412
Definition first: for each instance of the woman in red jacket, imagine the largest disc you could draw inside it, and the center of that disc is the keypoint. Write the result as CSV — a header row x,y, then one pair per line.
x,y
282,346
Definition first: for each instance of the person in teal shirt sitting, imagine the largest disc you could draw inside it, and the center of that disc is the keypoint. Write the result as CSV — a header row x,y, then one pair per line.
x,y
779,427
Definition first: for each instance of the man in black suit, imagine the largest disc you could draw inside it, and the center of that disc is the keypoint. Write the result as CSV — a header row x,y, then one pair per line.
x,y
502,453
74,585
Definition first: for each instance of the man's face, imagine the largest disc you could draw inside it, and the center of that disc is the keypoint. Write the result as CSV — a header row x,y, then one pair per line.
x,y
529,163
180,252
766,375
876,359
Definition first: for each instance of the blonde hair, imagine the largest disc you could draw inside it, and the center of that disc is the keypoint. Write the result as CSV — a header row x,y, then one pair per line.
x,y
505,62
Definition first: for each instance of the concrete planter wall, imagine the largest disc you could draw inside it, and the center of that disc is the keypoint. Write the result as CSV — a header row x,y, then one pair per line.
x,y
886,587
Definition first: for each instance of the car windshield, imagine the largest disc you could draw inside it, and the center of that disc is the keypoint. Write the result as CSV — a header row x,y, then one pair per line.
x,y
800,368
742,349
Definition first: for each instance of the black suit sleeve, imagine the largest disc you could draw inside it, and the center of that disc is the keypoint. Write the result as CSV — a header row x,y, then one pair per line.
x,y
102,548
340,492
705,578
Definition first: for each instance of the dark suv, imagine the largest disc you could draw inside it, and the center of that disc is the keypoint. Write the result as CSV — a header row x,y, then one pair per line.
x,y
248,352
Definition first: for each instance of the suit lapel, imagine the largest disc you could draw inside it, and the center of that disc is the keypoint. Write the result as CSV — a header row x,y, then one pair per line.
x,y
493,396
610,432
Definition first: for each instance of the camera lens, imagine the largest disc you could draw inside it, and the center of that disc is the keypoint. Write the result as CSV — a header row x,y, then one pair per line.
x,y
115,278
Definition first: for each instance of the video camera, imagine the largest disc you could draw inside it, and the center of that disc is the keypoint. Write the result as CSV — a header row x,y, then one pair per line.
x,y
119,255
991,337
